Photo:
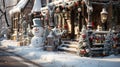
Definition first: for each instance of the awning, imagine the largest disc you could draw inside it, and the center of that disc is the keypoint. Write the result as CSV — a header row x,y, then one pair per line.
x,y
37,6
21,4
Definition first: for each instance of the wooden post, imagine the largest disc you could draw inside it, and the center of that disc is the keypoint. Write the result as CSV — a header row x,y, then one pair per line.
x,y
72,24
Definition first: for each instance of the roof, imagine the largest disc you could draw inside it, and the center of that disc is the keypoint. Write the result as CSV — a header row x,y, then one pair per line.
x,y
21,4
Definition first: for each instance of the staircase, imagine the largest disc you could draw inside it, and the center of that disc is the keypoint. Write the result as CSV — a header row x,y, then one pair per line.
x,y
97,49
68,46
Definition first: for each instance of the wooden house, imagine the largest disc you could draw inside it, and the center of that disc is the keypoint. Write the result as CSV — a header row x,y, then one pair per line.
x,y
17,14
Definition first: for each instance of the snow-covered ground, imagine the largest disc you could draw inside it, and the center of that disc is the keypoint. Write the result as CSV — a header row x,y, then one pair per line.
x,y
60,59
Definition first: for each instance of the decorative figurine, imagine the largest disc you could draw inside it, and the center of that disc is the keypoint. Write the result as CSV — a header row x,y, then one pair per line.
x,y
37,40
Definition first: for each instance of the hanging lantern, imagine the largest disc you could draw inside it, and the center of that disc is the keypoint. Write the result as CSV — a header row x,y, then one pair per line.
x,y
79,9
83,36
104,15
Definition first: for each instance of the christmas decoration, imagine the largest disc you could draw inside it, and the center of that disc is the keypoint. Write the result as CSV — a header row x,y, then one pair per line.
x,y
83,43
54,38
37,40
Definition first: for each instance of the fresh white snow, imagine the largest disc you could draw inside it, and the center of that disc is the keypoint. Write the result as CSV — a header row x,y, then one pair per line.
x,y
60,59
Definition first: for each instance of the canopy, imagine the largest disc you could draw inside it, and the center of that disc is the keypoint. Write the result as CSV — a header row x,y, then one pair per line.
x,y
21,4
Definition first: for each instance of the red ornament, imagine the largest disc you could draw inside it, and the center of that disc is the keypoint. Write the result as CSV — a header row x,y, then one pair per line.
x,y
83,36
46,18
103,38
66,26
83,51
97,38
91,38
76,3
115,38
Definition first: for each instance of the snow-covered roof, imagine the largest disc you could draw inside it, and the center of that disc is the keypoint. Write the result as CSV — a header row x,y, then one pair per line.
x,y
37,6
56,3
60,1
21,4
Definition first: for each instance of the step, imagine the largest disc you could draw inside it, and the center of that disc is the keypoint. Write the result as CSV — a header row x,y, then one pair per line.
x,y
97,49
98,54
99,44
69,45
71,50
70,42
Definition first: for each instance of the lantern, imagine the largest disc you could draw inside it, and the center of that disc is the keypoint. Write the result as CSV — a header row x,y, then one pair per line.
x,y
104,15
79,9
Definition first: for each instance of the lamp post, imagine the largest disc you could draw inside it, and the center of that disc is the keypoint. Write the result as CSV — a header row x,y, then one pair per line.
x,y
79,15
104,16
89,11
